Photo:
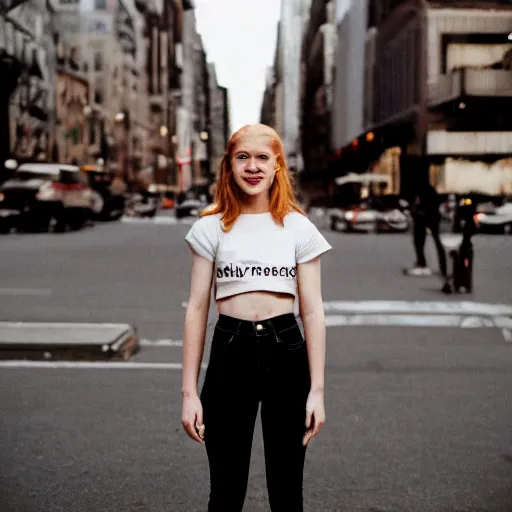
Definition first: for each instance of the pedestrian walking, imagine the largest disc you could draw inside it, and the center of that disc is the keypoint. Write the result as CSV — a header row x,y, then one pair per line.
x,y
426,215
261,253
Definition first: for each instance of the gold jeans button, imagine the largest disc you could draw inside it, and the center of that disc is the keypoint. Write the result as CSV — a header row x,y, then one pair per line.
x,y
259,327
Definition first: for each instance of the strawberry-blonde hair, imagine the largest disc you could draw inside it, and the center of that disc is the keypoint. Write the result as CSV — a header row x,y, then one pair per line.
x,y
227,197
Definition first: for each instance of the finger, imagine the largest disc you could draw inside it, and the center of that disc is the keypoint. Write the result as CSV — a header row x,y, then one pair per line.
x,y
191,431
309,417
200,429
307,437
199,424
317,427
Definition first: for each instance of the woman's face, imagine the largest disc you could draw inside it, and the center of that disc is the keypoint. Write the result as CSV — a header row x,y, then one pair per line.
x,y
253,162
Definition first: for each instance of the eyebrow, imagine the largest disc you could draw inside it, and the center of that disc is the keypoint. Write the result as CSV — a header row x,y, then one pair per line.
x,y
257,152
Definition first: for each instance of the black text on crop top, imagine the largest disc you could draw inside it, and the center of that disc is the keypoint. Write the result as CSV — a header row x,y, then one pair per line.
x,y
257,254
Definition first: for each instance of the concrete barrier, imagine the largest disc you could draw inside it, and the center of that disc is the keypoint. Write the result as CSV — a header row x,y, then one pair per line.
x,y
67,341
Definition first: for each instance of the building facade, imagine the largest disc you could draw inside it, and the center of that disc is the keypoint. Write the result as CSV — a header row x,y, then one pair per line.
x,y
441,85
220,119
107,79
267,113
283,90
27,88
347,121
316,91
421,91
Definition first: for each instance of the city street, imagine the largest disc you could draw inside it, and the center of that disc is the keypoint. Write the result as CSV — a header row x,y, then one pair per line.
x,y
418,384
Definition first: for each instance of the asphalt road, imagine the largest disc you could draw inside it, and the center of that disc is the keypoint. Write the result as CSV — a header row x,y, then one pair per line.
x,y
419,418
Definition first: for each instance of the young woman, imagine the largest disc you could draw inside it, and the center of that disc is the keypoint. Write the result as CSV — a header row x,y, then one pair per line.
x,y
261,252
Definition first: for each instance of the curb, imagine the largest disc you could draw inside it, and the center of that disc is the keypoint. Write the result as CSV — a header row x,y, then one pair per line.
x,y
51,341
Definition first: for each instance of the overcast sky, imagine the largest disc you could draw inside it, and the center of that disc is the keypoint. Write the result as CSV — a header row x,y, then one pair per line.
x,y
239,37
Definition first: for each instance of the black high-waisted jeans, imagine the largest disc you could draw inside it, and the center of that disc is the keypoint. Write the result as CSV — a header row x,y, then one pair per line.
x,y
253,362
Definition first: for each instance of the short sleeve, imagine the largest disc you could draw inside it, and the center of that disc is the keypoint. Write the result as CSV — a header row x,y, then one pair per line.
x,y
203,237
310,243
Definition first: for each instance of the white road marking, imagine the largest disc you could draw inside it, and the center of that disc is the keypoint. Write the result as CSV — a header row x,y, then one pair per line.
x,y
149,220
95,365
507,335
26,291
419,307
504,322
62,325
159,220
160,343
446,321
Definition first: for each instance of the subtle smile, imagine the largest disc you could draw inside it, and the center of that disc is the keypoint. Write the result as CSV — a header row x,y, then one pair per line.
x,y
253,181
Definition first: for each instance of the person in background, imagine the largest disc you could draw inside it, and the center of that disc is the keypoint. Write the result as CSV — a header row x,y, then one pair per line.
x,y
426,215
462,257
261,252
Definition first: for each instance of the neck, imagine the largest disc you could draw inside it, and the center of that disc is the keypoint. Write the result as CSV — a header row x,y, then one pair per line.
x,y
256,204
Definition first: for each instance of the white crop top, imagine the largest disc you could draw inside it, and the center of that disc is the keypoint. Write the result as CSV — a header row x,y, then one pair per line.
x,y
256,254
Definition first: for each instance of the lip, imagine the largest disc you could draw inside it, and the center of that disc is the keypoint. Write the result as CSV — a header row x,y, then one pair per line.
x,y
252,181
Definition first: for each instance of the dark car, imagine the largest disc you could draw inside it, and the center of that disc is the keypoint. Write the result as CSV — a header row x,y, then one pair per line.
x,y
110,200
192,202
41,194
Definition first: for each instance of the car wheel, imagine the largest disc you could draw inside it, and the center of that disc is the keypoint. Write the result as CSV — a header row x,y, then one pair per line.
x,y
42,225
5,228
507,229
60,224
78,219
97,203
334,224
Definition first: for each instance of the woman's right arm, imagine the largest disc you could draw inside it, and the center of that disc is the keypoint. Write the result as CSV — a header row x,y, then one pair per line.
x,y
196,317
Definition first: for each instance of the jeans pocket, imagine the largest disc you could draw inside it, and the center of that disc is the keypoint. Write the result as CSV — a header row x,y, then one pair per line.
x,y
291,338
222,338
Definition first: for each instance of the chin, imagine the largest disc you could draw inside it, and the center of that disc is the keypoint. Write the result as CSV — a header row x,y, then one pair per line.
x,y
253,192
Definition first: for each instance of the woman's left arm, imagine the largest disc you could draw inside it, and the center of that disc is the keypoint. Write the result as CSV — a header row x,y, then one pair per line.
x,y
313,317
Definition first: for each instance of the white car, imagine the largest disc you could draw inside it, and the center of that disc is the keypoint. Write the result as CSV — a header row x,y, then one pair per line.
x,y
498,219
40,193
367,220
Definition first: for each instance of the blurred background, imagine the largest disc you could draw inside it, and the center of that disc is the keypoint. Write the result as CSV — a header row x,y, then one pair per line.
x,y
409,94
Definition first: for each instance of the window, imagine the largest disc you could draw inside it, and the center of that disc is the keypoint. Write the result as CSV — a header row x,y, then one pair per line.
x,y
92,132
98,61
69,177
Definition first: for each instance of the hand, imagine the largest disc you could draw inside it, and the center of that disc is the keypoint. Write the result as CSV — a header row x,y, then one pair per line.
x,y
315,415
192,417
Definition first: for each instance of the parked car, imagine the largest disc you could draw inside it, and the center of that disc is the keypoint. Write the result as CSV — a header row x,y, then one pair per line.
x,y
190,208
355,218
143,204
497,219
364,205
393,213
110,198
40,195
384,214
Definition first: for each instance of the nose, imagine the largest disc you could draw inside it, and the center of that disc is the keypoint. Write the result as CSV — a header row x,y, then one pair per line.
x,y
251,165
